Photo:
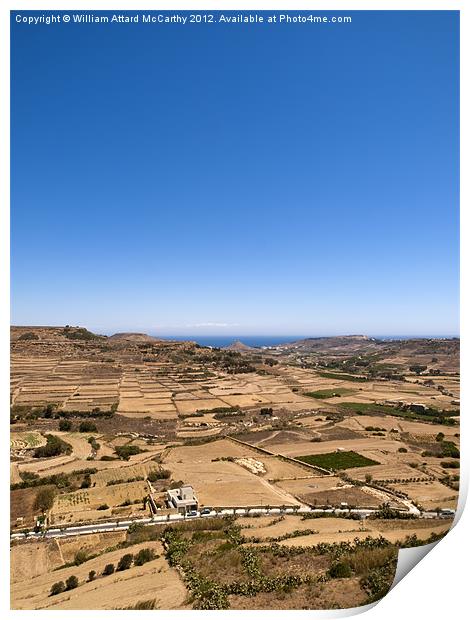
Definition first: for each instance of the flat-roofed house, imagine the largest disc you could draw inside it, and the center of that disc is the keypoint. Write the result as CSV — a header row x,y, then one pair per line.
x,y
183,499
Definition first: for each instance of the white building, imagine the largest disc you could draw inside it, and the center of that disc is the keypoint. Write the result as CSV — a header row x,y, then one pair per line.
x,y
183,499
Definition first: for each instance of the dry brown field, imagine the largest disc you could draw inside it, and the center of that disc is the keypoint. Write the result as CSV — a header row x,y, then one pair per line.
x,y
154,580
430,495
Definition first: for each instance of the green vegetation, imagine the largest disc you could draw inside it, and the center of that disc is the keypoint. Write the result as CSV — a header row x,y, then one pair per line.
x,y
126,451
45,499
65,425
431,415
61,481
125,562
329,393
108,569
87,427
339,570
150,604
450,464
71,582
158,474
342,376
29,336
337,460
54,447
57,588
143,556
79,333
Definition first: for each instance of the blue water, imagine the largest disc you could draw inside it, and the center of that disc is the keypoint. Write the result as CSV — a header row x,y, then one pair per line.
x,y
267,341
251,341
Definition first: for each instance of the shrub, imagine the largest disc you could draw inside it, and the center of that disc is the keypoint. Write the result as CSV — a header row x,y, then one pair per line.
x,y
340,570
125,562
143,556
87,427
403,450
71,583
45,499
108,569
54,447
125,452
80,557
150,604
86,482
65,425
103,507
92,575
158,474
57,588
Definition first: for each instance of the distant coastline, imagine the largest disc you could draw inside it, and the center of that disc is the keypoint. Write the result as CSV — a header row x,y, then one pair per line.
x,y
269,341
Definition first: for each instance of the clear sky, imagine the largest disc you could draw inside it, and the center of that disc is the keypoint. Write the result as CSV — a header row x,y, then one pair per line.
x,y
211,179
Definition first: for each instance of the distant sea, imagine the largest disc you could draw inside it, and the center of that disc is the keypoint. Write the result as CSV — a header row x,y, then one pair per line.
x,y
267,341
224,341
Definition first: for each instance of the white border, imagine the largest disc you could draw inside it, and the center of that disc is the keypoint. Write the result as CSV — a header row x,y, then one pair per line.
x,y
439,585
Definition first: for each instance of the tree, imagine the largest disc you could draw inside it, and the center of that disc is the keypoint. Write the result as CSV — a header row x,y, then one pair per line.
x,y
125,562
80,557
45,499
65,425
92,575
143,556
368,478
71,583
86,482
54,447
340,570
108,569
57,588
87,427
440,436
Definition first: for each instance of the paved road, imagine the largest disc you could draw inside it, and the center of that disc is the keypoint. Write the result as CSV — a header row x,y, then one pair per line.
x,y
120,525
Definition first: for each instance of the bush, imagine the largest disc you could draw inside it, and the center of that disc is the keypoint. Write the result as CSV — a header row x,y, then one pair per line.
x,y
86,482
108,569
71,583
125,452
65,425
80,557
403,450
125,562
103,507
158,474
340,570
45,499
92,575
57,588
143,556
87,427
54,447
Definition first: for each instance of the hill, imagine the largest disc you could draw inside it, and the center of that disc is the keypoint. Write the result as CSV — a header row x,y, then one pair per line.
x,y
133,337
238,345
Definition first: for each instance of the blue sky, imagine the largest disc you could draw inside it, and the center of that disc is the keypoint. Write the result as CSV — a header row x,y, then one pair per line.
x,y
213,179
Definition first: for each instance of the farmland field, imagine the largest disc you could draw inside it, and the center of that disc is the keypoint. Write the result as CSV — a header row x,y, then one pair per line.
x,y
251,429
337,460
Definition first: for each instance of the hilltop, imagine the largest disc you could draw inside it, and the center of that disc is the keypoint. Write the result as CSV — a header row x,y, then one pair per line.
x,y
238,345
133,337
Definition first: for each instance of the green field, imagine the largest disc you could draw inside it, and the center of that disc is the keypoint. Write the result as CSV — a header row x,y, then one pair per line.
x,y
330,393
342,376
439,417
337,460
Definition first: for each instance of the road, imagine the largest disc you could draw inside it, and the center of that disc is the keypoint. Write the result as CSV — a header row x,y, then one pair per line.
x,y
121,525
